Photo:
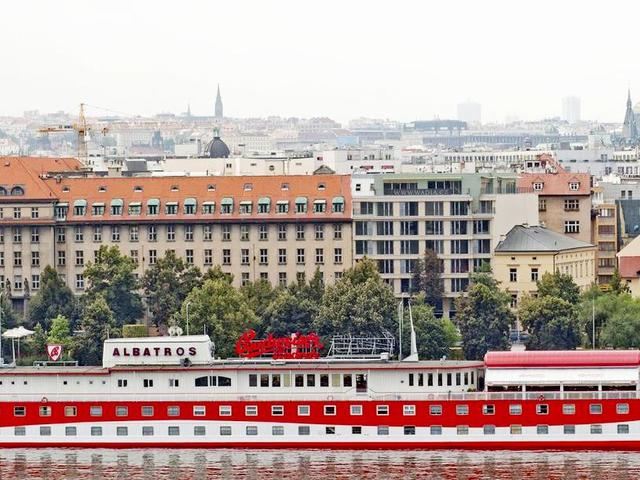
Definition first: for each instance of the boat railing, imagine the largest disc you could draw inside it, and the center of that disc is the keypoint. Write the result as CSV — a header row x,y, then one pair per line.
x,y
471,396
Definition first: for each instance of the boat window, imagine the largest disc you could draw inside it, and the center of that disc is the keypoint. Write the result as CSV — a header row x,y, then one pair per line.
x,y
449,377
122,431
173,411
277,410
199,430
20,431
489,429
596,429
595,408
462,409
330,430
45,431
421,379
147,411
347,380
70,411
213,381
45,411
173,431
264,380
275,380
569,409
251,410
356,409
252,430
225,430
458,379
409,430
329,409
439,379
147,431
436,429
122,382
122,411
542,409
383,430
542,429
361,382
435,409
304,430
324,380
411,379
303,410
462,429
429,379
253,380
199,411
147,383
224,410
409,410
382,410
623,428
70,431
488,409
335,379
96,431
466,378
311,380
95,411
569,429
622,408
299,380
356,430
277,430
515,429
515,409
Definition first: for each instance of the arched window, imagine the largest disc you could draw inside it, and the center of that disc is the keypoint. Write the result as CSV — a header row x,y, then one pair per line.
x,y
17,191
3,191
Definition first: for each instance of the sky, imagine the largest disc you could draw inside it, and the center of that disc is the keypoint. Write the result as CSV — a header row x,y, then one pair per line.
x,y
402,60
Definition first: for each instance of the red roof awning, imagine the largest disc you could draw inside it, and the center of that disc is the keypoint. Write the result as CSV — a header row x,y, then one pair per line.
x,y
563,358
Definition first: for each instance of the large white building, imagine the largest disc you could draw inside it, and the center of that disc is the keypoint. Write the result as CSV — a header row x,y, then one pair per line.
x,y
571,109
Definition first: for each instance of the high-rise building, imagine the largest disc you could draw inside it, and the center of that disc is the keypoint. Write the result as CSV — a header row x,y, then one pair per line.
x,y
571,109
470,112
219,111
629,129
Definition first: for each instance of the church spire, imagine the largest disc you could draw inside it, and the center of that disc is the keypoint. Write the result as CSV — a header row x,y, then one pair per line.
x,y
218,109
629,128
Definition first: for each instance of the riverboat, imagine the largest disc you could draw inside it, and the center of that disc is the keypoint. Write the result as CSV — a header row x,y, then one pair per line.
x,y
173,392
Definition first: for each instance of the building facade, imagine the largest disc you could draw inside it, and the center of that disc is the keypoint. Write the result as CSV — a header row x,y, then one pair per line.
x,y
276,228
564,201
460,217
528,252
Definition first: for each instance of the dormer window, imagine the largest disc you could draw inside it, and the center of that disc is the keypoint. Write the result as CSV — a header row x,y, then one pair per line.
x,y
321,187
174,188
574,186
102,188
15,191
65,189
284,186
211,188
137,188
537,186
248,187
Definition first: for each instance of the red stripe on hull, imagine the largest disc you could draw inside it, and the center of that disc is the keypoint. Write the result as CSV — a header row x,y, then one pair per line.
x,y
586,445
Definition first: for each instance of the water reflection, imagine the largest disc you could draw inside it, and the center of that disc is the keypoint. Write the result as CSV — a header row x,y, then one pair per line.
x,y
53,464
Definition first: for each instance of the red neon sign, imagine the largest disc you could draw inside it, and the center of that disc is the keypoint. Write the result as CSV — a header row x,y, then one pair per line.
x,y
297,346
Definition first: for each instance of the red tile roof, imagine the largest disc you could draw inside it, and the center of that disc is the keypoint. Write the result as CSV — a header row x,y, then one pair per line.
x,y
556,183
205,189
26,173
629,267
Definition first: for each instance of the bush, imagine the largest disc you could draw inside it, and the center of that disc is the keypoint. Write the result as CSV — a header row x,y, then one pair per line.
x,y
135,331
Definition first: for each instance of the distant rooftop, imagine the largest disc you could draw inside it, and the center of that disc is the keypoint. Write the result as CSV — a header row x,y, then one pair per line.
x,y
524,238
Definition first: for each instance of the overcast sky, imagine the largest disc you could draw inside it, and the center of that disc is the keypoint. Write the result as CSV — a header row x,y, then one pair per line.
x,y
343,59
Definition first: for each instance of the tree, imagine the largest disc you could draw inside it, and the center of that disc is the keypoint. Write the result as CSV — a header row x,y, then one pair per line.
x,y
60,334
98,324
220,309
427,278
616,284
8,317
36,344
559,285
216,273
434,336
259,295
551,322
112,277
484,317
617,319
53,299
359,303
166,284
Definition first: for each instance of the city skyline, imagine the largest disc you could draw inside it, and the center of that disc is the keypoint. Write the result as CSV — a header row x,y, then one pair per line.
x,y
378,62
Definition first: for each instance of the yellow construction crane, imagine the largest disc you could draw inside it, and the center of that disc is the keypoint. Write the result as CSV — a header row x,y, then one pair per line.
x,y
82,129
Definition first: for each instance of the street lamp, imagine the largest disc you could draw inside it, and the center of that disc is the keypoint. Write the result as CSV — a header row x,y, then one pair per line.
x,y
187,308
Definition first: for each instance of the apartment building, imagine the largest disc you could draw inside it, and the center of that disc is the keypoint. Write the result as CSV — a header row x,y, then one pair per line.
x,y
564,201
278,228
604,235
460,217
528,252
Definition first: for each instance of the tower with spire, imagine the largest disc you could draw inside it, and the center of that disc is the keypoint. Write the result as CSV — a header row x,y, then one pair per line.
x,y
219,111
629,128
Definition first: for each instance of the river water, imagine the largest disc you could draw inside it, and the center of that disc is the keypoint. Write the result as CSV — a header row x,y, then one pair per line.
x,y
313,464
